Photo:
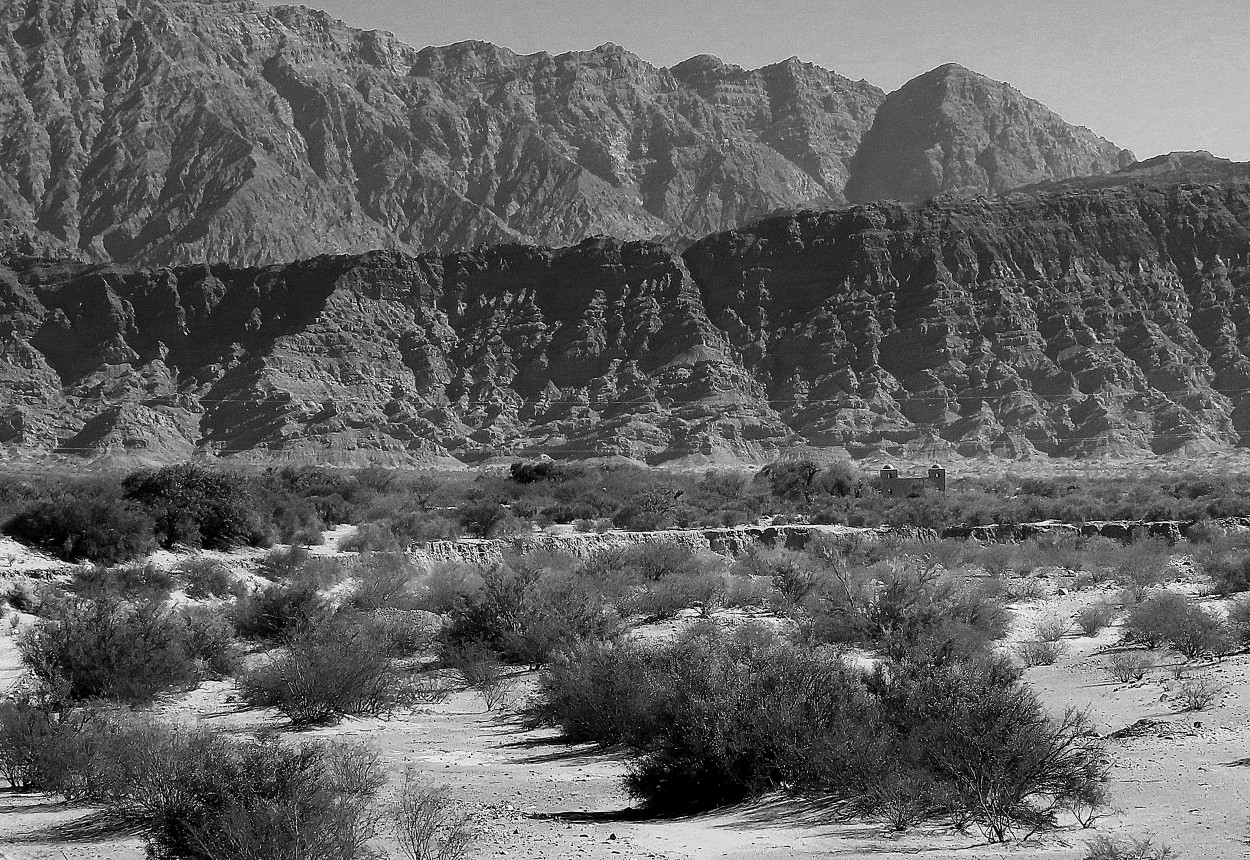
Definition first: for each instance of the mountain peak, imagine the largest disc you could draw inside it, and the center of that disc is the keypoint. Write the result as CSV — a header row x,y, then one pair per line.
x,y
954,130
308,137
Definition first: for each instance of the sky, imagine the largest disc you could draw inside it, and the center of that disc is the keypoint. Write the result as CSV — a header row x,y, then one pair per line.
x,y
1151,75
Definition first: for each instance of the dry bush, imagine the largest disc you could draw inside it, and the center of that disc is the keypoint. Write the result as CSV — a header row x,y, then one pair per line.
x,y
1025,589
1143,564
1173,619
384,580
292,564
102,649
425,824
1239,620
482,673
325,673
403,632
1107,848
996,559
1129,666
128,582
1198,694
1051,627
747,592
210,641
280,608
525,614
907,613
1094,617
715,717
100,530
1039,652
795,576
1227,562
206,577
903,798
446,585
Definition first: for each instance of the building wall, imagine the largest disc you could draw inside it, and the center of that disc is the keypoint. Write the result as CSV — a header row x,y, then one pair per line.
x,y
903,487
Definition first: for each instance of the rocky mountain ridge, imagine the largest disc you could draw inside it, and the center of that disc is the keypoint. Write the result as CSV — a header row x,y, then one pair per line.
x,y
1069,323
158,132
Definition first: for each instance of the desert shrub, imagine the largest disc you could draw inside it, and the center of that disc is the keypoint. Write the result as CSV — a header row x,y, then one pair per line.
x,y
482,672
728,726
747,592
195,506
1129,666
129,582
374,537
483,517
403,632
44,748
1025,588
1143,564
297,563
1094,617
1042,652
1173,619
384,581
907,613
325,673
602,692
715,717
28,596
1106,848
104,531
1051,627
422,527
106,649
1239,619
1198,694
26,730
1007,764
656,560
207,577
280,608
1227,563
204,796
996,559
662,600
210,641
424,823
525,614
447,585
647,511
795,576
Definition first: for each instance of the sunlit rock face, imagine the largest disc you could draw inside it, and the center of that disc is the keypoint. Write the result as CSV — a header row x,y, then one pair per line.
x,y
1070,323
158,132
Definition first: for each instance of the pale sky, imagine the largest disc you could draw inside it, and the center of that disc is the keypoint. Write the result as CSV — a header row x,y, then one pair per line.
x,y
1151,75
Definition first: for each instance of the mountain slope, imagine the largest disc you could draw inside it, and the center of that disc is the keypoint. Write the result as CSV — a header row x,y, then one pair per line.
x,y
160,132
173,130
1073,323
954,130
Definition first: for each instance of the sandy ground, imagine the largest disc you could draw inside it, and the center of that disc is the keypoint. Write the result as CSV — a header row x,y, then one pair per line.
x,y
528,795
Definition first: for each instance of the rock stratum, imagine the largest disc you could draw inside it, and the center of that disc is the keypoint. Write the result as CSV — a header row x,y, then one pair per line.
x,y
159,132
1073,322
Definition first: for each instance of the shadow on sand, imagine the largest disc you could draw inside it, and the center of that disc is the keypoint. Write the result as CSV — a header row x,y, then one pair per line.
x,y
96,826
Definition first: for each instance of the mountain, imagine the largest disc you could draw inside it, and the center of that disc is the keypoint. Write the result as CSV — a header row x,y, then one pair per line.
x,y
1174,168
157,132
1069,323
952,130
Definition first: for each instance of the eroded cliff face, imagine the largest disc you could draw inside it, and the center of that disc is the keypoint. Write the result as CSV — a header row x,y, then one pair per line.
x,y
1068,324
157,132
